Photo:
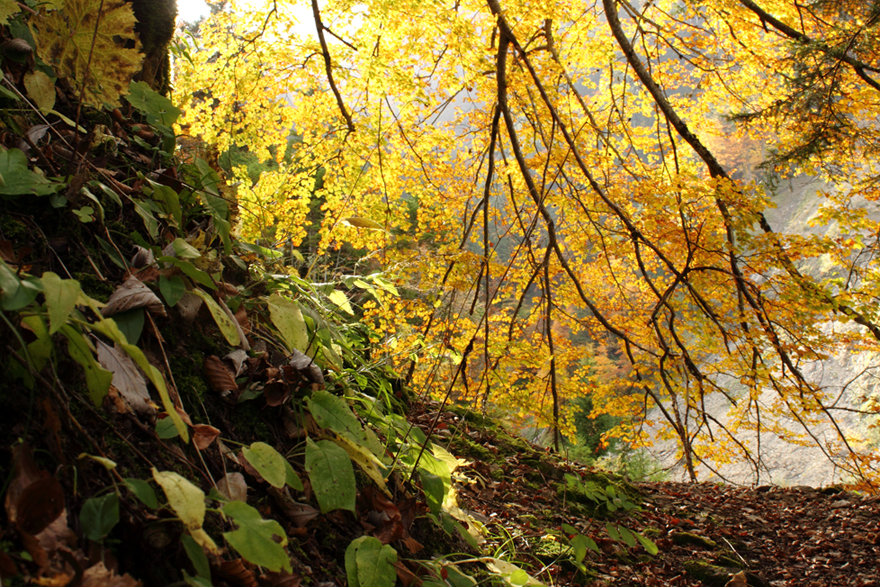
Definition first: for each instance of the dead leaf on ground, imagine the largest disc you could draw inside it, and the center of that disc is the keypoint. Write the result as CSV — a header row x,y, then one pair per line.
x,y
188,306
100,576
236,572
233,486
220,379
131,295
127,378
203,435
237,359
299,513
281,579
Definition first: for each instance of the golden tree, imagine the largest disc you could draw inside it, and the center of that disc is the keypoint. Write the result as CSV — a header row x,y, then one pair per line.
x,y
542,180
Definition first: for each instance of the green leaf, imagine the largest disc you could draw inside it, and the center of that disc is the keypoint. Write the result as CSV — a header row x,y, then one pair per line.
x,y
184,250
268,462
512,574
254,539
612,531
172,289
580,544
111,252
196,556
457,578
224,322
366,460
144,210
369,563
170,201
190,271
434,488
627,536
97,378
143,491
17,293
131,324
288,319
331,474
17,180
158,108
61,296
99,515
647,543
165,429
332,412
263,251
291,478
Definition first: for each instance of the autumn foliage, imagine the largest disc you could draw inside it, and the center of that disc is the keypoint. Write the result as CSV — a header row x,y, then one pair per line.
x,y
570,196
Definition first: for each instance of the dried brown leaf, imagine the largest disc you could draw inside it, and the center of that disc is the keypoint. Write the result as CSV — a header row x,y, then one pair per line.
x,y
100,576
133,294
203,435
238,573
233,486
127,378
220,379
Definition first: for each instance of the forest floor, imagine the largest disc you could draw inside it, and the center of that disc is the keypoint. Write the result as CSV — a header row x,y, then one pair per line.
x,y
706,533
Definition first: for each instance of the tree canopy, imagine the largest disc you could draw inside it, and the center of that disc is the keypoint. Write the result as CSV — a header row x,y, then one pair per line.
x,y
571,197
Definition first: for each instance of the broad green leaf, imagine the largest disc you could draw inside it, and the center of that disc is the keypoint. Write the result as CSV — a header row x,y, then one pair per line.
x,y
268,462
196,556
255,537
647,543
172,289
288,319
291,478
434,488
184,250
340,299
580,544
366,460
369,563
612,531
196,581
333,412
61,296
144,210
108,464
456,578
143,491
331,474
17,180
131,324
158,108
40,87
98,379
17,293
267,253
99,515
627,536
165,429
224,322
190,271
170,200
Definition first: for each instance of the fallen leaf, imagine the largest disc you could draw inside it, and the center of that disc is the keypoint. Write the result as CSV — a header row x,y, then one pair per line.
x,y
133,294
127,379
204,435
233,486
220,379
100,576
237,573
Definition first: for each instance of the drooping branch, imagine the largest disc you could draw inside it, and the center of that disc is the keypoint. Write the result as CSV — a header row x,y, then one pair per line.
x,y
858,66
328,68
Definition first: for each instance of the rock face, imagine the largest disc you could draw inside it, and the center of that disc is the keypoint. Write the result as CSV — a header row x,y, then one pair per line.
x,y
850,375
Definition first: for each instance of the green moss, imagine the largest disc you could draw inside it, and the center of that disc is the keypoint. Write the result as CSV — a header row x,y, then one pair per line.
x,y
709,574
94,287
690,539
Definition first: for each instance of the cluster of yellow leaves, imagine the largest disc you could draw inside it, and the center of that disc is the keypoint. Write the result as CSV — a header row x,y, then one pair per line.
x,y
605,252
